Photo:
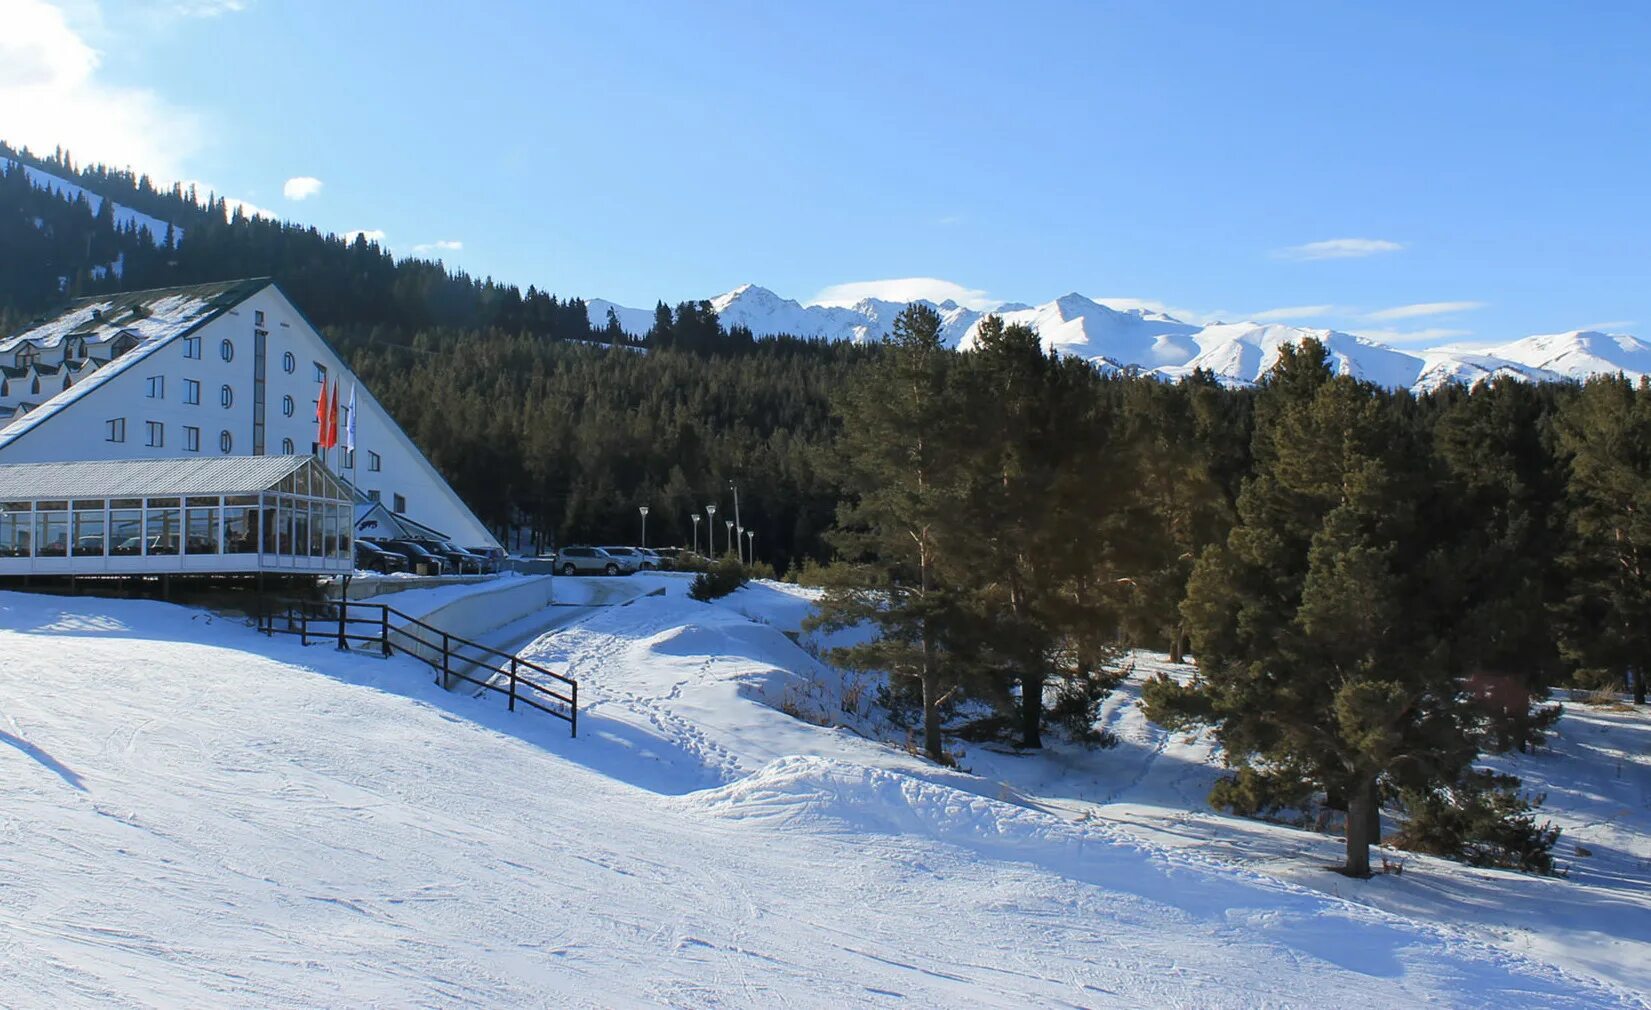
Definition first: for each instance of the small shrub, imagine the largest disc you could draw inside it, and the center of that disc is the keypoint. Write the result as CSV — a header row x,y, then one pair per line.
x,y
1255,792
723,578
1481,821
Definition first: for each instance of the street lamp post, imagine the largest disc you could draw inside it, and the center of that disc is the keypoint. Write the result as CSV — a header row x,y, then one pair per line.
x,y
739,541
711,534
695,518
730,524
644,510
751,545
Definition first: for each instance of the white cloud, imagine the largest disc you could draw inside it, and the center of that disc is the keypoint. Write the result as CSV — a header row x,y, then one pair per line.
x,y
903,289
438,246
1186,315
1292,312
301,187
370,234
1427,336
50,96
205,8
1609,325
1339,248
1424,309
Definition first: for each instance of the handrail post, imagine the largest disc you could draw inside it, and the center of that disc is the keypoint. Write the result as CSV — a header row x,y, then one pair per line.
x,y
446,677
384,629
303,627
573,710
343,616
513,683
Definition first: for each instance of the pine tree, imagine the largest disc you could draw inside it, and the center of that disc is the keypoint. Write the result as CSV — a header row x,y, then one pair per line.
x,y
1606,430
1322,655
899,456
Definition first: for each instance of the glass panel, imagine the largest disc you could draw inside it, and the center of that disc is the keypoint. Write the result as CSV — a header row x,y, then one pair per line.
x,y
283,526
240,529
126,531
51,533
163,533
301,529
163,503
14,529
126,503
241,499
89,532
94,504
198,502
50,506
326,525
202,535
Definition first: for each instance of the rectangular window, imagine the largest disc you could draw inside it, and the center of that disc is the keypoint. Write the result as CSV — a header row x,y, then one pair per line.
x,y
401,504
192,347
115,429
320,372
191,439
191,391
372,494
374,464
157,387
157,434
257,317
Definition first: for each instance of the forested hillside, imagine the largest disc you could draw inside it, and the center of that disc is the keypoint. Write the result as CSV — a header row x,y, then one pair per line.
x,y
536,417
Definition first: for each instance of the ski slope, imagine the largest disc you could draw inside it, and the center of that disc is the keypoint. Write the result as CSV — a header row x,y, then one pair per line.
x,y
193,815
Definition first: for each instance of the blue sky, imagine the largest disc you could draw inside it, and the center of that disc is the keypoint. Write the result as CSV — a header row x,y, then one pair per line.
x,y
1420,172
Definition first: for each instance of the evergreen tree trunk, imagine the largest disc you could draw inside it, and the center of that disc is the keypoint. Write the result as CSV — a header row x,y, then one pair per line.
x,y
931,698
1031,710
1177,644
1363,819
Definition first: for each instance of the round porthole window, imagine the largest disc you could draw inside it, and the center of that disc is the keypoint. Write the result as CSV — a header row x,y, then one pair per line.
x,y
226,441
286,406
226,350
288,362
226,396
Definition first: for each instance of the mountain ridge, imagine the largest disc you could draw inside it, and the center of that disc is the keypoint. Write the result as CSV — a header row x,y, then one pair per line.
x,y
1238,353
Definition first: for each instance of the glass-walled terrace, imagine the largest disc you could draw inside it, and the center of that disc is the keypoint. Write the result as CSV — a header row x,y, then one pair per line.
x,y
304,523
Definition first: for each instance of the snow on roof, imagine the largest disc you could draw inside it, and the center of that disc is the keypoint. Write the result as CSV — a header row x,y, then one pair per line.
x,y
136,478
154,318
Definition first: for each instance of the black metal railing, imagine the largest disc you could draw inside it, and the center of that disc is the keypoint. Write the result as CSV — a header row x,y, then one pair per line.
x,y
346,623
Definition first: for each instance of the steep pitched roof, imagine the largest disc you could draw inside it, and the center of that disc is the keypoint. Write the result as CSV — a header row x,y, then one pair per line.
x,y
155,318
137,478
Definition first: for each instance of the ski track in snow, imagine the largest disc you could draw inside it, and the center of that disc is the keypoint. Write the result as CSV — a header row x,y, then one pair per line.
x,y
191,814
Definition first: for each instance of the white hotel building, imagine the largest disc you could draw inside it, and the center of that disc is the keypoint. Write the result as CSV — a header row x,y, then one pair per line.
x,y
220,370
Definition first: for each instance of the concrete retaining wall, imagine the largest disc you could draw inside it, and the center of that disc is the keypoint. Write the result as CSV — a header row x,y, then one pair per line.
x,y
476,614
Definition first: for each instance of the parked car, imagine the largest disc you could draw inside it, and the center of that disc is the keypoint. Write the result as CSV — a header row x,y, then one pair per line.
x,y
640,558
372,558
495,557
461,560
592,561
419,560
661,561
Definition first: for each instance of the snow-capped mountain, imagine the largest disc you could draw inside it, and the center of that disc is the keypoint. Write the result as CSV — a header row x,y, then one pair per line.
x,y
1239,353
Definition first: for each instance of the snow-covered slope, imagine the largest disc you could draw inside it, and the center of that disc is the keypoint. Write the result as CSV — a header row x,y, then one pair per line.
x,y
199,816
124,216
1579,354
1239,353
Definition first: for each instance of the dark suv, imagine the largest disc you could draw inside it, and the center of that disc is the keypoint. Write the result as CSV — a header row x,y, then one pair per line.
x,y
373,558
418,558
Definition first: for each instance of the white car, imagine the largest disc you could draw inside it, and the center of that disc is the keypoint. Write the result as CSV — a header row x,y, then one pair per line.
x,y
592,561
639,560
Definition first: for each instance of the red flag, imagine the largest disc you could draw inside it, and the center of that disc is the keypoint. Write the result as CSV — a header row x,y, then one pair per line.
x,y
321,416
332,418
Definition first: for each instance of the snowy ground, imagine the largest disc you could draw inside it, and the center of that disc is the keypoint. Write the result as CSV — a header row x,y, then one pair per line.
x,y
193,815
